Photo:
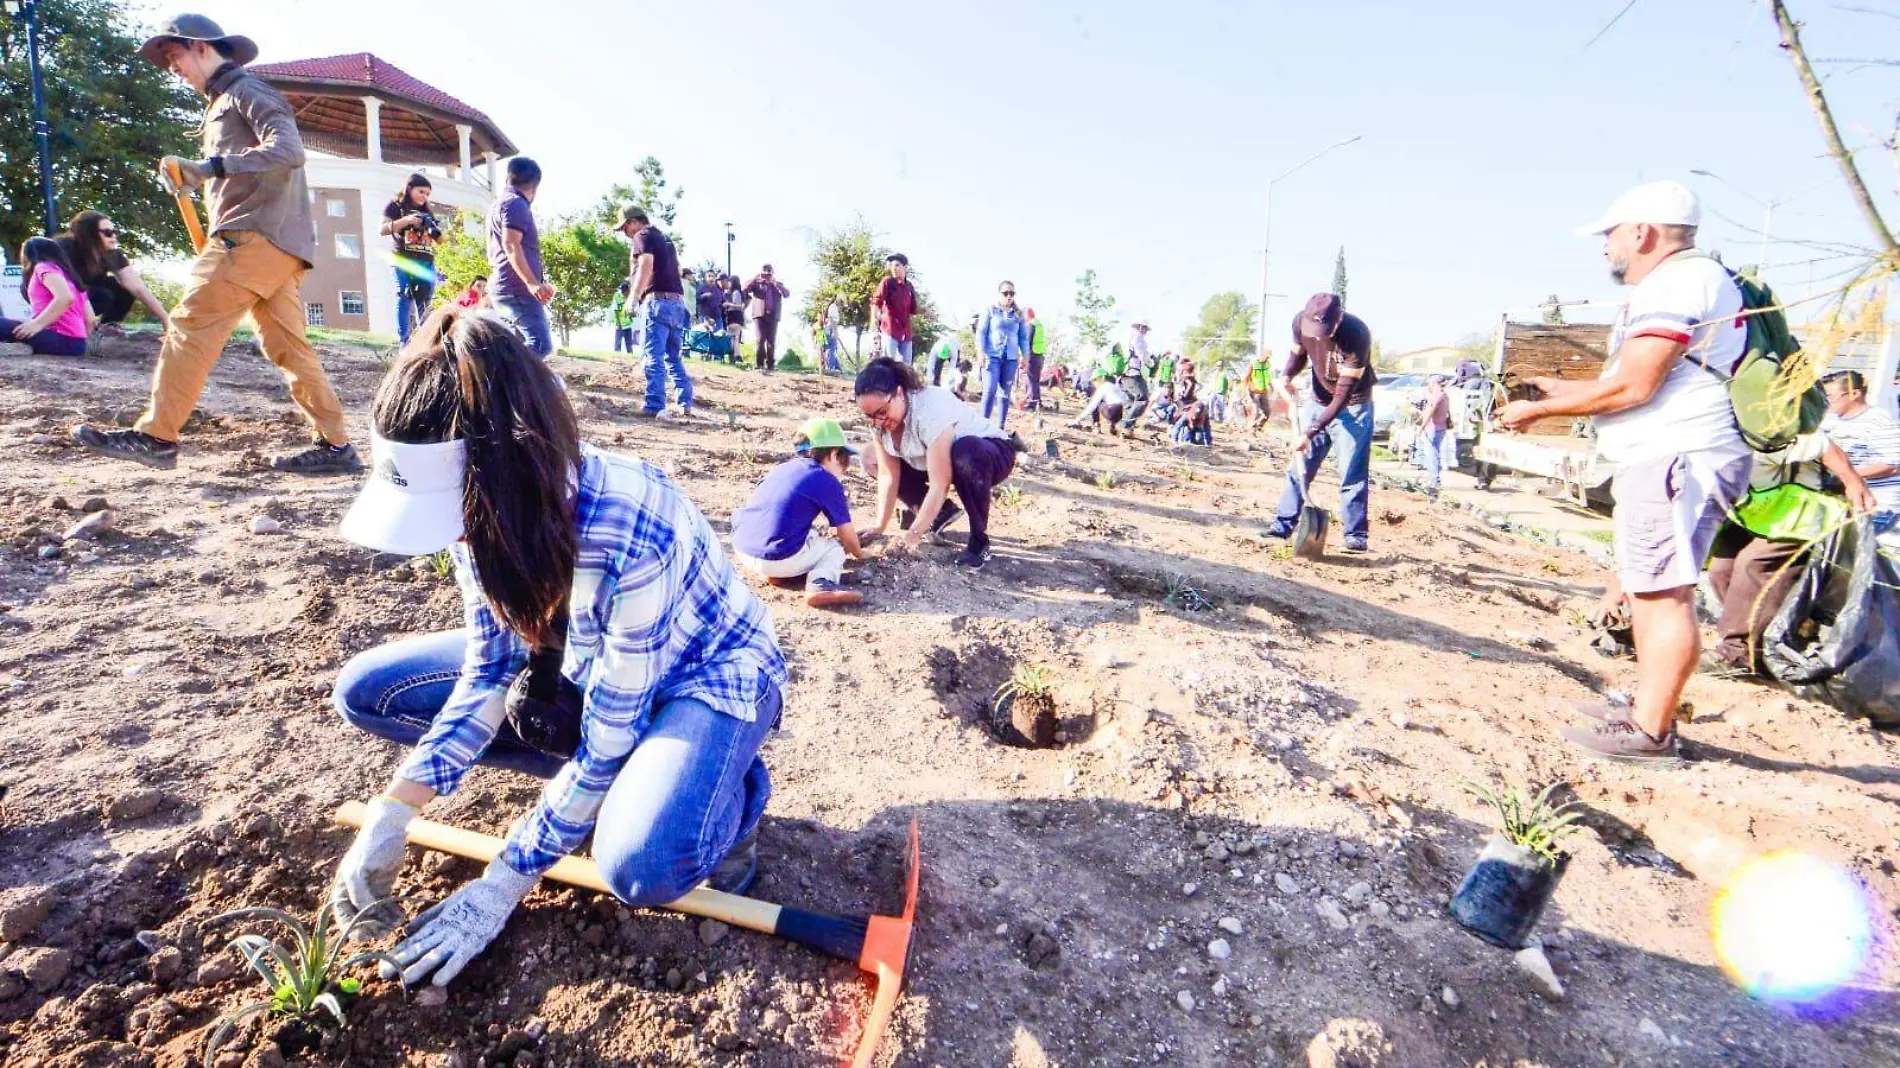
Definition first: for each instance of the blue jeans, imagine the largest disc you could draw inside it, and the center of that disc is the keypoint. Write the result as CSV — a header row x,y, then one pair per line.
x,y
623,339
663,322
1352,431
831,351
423,292
1002,375
529,318
899,350
1428,447
693,787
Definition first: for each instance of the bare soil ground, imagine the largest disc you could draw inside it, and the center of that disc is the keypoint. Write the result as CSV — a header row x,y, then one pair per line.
x,y
1289,758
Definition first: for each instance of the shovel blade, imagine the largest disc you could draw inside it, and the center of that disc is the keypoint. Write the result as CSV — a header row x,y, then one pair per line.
x,y
1309,534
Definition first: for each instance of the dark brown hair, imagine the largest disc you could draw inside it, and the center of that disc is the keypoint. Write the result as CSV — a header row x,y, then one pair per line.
x,y
416,180
85,245
46,250
883,375
468,375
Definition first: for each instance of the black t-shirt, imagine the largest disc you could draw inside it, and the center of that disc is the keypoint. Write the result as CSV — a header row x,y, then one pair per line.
x,y
414,243
666,262
1351,346
708,299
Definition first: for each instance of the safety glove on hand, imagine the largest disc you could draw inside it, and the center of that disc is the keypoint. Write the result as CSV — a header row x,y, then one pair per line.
x,y
191,174
452,933
366,878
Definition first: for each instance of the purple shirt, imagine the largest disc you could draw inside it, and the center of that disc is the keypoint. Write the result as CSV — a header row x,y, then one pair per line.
x,y
774,524
511,212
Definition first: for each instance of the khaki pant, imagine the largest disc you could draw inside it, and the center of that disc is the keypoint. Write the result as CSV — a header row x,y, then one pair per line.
x,y
239,273
822,559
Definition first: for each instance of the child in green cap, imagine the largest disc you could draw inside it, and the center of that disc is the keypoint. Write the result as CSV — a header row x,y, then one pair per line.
x,y
774,535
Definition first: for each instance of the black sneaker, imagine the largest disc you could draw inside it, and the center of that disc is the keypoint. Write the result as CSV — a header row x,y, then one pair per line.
x,y
322,458
134,445
735,874
973,559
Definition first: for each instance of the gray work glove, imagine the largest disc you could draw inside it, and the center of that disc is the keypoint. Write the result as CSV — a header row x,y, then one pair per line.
x,y
452,933
367,876
192,174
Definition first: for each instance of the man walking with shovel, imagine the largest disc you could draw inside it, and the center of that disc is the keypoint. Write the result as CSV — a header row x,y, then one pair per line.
x,y
1336,348
262,241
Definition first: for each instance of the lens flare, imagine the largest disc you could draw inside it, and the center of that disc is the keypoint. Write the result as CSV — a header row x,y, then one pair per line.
x,y
1791,927
411,268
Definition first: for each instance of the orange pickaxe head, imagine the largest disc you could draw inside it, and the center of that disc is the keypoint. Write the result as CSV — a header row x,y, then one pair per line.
x,y
886,950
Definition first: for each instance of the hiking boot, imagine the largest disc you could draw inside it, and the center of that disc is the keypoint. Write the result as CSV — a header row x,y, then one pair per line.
x,y
973,559
1277,529
134,445
1619,739
828,594
322,458
734,874
1357,546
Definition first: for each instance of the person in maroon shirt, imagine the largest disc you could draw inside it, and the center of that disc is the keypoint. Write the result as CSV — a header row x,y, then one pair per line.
x,y
896,301
1335,348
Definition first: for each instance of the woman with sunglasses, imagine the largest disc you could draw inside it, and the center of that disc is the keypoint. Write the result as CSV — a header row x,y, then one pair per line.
x,y
651,671
111,283
927,441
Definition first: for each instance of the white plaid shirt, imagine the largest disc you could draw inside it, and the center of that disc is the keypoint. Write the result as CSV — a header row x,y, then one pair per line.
x,y
658,613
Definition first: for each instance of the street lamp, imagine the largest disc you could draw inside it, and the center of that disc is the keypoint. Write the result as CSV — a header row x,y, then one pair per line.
x,y
28,11
1767,210
1266,238
729,240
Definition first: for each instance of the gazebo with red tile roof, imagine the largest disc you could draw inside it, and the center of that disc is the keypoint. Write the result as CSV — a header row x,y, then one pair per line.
x,y
357,106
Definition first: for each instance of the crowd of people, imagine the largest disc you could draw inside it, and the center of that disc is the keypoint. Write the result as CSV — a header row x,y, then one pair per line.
x,y
612,643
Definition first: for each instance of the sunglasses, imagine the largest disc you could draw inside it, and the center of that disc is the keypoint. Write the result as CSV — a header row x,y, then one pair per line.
x,y
1009,292
106,231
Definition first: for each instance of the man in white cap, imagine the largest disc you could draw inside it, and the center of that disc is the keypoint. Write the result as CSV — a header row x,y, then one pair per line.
x,y
1663,417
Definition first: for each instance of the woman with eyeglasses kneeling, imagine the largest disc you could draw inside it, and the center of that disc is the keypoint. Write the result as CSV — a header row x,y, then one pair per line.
x,y
609,647
925,442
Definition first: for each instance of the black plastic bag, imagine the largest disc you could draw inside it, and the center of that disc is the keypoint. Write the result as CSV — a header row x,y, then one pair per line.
x,y
1837,636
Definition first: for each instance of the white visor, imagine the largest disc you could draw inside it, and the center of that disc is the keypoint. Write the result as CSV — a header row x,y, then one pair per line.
x,y
412,503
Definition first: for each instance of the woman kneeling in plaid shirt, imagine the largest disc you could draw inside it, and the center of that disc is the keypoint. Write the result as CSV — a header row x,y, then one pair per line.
x,y
650,729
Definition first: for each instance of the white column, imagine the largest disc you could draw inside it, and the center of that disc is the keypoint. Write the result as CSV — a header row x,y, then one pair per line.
x,y
373,120
490,157
461,137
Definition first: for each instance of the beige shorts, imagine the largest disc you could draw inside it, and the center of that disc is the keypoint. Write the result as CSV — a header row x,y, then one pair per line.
x,y
1667,514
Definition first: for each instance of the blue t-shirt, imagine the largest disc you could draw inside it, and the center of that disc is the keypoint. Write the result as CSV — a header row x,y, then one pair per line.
x,y
776,521
511,212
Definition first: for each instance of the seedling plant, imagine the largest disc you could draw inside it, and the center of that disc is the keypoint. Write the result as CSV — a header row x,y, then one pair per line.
x,y
304,977
1531,823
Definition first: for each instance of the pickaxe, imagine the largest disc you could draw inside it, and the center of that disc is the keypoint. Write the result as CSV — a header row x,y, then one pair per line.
x,y
192,225
880,945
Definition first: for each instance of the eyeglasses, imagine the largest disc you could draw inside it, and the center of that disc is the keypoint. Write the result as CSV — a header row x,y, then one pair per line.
x,y
883,411
1009,292
107,231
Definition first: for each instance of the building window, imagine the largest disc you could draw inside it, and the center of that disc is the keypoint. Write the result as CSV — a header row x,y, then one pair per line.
x,y
313,314
349,247
351,302
338,209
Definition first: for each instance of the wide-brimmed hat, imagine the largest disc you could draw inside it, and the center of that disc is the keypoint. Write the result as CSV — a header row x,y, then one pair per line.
x,y
412,503
196,28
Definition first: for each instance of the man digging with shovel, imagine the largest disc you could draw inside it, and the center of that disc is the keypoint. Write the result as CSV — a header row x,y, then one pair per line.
x,y
262,241
1337,349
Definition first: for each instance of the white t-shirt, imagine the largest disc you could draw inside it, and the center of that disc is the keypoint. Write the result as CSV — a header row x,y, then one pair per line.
x,y
1689,299
1138,348
1872,437
934,410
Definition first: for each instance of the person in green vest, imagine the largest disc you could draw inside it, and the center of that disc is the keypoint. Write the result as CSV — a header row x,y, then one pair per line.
x,y
1217,400
1164,369
1114,360
944,354
1260,387
623,319
1038,350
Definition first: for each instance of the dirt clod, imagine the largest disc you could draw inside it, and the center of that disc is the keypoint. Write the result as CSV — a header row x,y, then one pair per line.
x,y
135,805
22,910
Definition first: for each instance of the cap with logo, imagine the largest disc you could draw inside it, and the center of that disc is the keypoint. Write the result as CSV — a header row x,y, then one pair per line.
x,y
1322,315
1657,203
181,28
412,503
822,433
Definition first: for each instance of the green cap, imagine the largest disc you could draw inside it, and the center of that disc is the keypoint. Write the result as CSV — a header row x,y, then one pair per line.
x,y
822,433
631,213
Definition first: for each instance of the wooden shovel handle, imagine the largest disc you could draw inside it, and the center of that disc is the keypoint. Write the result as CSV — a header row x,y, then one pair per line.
x,y
185,208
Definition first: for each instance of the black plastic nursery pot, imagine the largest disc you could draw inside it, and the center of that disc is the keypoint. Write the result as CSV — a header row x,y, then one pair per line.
x,y
1505,892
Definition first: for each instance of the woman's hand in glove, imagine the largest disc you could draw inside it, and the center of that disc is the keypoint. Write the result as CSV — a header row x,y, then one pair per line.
x,y
451,934
367,876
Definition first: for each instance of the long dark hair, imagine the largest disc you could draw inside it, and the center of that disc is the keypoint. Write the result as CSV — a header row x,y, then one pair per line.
x,y
416,179
468,375
883,375
85,244
46,250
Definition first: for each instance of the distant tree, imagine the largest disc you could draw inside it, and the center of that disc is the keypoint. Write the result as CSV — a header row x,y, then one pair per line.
x,y
1094,324
850,264
650,191
1225,331
111,116
1339,275
586,265
460,256
1553,311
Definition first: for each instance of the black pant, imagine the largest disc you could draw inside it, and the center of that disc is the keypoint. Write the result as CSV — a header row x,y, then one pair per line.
x,y
768,342
977,465
1752,576
44,343
110,301
1033,399
1136,387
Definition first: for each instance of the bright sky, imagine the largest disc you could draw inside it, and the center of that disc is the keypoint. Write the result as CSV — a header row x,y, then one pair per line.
x,y
1030,141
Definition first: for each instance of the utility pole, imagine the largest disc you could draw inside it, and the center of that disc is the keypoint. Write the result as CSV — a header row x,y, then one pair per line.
x,y
729,240
1266,239
28,11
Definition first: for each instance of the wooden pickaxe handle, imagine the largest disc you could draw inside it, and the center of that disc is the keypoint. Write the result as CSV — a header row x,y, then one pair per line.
x,y
185,207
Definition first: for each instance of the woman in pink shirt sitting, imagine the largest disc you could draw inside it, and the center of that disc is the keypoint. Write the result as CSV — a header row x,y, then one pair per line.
x,y
61,317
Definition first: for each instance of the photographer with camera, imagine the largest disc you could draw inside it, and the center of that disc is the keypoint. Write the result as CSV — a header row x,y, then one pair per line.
x,y
408,220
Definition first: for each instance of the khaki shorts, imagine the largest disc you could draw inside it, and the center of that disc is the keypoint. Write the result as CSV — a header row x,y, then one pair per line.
x,y
1667,514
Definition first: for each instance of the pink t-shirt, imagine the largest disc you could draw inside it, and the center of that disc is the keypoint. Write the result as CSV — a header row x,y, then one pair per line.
x,y
72,322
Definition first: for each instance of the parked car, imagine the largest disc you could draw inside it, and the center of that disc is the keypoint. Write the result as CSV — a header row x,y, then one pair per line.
x,y
1392,394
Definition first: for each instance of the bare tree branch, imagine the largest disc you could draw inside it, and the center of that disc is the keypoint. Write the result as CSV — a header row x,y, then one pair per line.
x,y
1791,40
1868,11
1607,25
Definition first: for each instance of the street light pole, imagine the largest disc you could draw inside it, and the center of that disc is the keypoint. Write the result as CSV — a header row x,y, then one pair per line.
x,y
28,10
1266,239
729,240
1767,210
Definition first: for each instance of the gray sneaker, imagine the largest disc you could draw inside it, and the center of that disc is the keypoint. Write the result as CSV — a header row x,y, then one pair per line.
x,y
320,459
1619,739
134,445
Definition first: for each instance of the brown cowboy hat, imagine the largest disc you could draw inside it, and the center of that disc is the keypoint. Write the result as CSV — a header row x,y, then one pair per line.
x,y
181,28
